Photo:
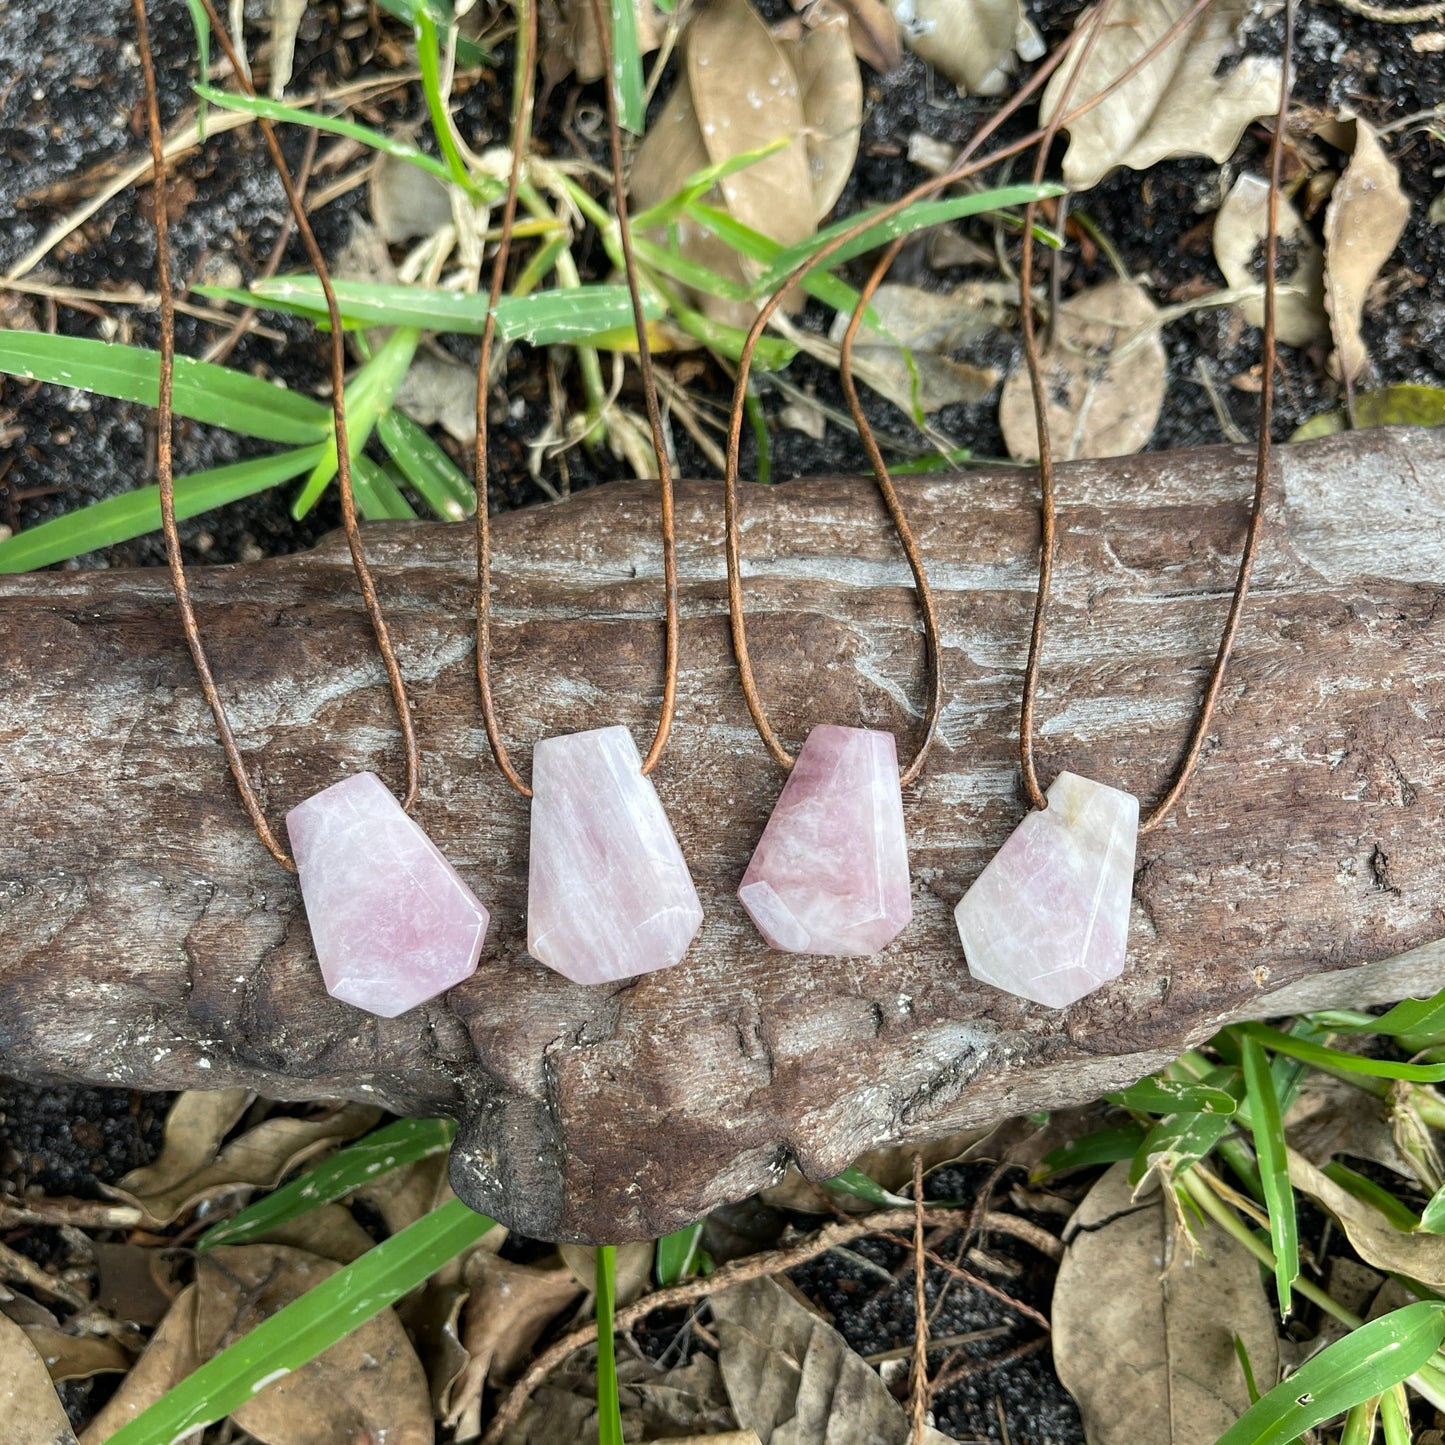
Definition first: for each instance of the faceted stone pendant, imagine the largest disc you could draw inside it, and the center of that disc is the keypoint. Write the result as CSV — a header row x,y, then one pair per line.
x,y
830,873
608,893
392,921
1048,919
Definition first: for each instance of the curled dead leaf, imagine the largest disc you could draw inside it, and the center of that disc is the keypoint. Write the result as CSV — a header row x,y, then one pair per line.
x,y
33,1412
743,89
874,33
790,1376
1239,239
368,1386
507,1308
194,1166
1418,1256
634,1267
1194,98
570,40
975,43
1144,1324
1363,225
1104,378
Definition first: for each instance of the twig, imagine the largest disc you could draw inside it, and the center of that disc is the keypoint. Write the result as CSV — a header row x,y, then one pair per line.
x,y
81,1213
939,1342
1023,1229
755,1266
1003,1296
979,1367
15,1266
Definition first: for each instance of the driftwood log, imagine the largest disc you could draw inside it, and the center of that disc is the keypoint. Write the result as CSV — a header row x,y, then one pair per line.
x,y
146,938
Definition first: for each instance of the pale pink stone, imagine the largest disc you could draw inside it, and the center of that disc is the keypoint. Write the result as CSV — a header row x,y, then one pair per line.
x,y
608,892
830,873
1048,919
392,922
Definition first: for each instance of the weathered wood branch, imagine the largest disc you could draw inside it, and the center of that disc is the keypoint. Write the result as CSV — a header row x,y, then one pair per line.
x,y
146,938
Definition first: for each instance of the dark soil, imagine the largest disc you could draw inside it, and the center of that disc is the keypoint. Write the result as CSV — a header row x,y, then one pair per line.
x,y
69,94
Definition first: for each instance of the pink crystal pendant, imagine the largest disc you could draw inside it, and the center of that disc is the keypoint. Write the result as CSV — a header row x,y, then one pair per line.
x,y
830,873
1048,919
608,892
392,921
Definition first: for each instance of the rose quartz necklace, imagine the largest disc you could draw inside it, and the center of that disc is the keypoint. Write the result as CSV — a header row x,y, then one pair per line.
x,y
1048,918
392,922
609,895
830,872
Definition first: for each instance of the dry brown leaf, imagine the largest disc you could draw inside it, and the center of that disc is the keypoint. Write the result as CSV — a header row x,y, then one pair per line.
x,y
1104,378
1363,225
331,1232
1144,1327
403,1196
972,42
33,1413
739,91
1419,1256
507,1308
197,1122
133,1283
368,1386
406,202
182,1177
874,33
77,1357
580,45
791,1377
832,94
634,1267
1194,98
1239,239
1330,1116
168,1359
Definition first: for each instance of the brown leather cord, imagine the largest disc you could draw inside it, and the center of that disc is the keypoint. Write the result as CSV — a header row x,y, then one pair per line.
x,y
164,466
521,122
1048,516
965,165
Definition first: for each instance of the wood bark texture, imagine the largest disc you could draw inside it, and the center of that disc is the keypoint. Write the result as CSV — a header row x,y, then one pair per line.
x,y
146,938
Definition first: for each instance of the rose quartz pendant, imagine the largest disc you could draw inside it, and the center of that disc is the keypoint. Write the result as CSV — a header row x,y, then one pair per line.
x,y
608,892
1048,919
830,873
392,921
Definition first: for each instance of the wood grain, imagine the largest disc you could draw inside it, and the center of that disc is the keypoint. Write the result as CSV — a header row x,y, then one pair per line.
x,y
147,939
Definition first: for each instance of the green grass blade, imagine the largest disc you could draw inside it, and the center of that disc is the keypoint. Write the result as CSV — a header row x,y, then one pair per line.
x,y
763,441
203,392
627,67
820,282
201,24
1104,1146
1338,1061
861,1186
369,395
1367,1362
609,1412
306,1327
439,482
771,353
1241,1353
133,514
1269,1147
429,62
1359,1426
338,125
916,217
391,1147
1419,1023
469,53
677,1253
699,183
1186,1138
1395,1418
567,314
1169,1096
378,498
